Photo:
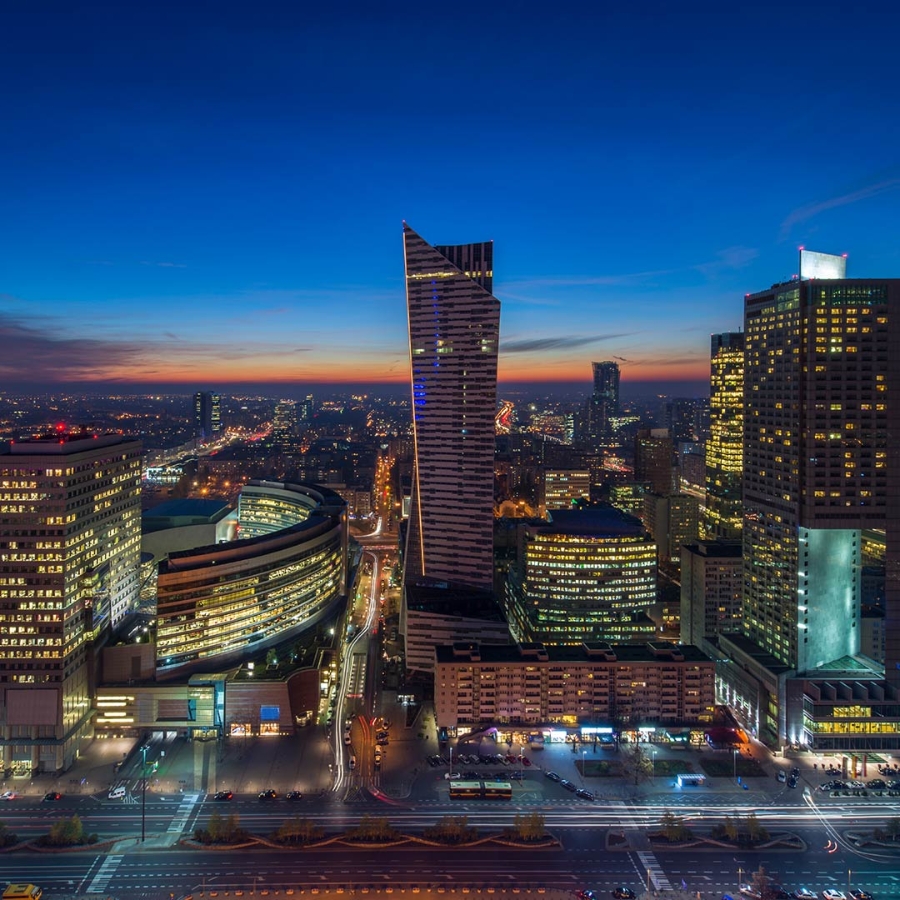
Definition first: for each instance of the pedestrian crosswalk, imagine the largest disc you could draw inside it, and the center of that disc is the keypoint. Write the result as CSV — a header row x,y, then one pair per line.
x,y
100,881
182,814
655,874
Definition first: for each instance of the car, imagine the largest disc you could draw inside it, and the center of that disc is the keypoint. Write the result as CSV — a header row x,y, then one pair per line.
x,y
568,785
517,775
623,893
9,795
894,785
859,894
585,795
876,784
552,776
450,776
586,895
223,795
347,738
805,894
52,795
747,890
267,794
795,771
855,785
781,777
525,760
293,795
792,781
833,894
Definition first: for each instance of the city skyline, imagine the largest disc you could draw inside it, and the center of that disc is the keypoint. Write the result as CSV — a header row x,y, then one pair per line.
x,y
218,204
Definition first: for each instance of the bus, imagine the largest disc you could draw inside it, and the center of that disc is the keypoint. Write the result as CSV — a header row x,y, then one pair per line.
x,y
477,790
22,892
465,790
685,780
496,790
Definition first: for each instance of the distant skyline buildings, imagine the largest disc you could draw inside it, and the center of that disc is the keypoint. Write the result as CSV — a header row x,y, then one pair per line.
x,y
207,414
454,329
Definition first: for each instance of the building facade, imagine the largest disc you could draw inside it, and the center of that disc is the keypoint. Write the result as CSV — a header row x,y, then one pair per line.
x,y
725,447
287,570
821,382
711,588
454,328
207,415
584,575
532,684
70,540
564,487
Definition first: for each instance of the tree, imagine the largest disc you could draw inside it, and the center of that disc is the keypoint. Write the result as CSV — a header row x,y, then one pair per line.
x,y
732,829
452,830
636,765
272,658
372,828
298,831
674,829
67,832
755,830
893,829
765,884
528,827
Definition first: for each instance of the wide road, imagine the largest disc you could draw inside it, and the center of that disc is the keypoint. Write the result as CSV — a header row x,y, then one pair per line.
x,y
136,872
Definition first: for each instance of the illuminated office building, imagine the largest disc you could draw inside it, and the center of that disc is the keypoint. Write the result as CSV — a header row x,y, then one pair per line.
x,y
725,447
654,460
603,404
70,536
287,570
821,380
207,415
565,487
454,324
584,575
284,426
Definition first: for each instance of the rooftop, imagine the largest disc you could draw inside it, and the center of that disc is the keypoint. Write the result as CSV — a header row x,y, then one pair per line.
x,y
592,521
590,652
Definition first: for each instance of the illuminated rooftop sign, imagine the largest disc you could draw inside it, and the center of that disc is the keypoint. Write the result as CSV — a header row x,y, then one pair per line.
x,y
822,265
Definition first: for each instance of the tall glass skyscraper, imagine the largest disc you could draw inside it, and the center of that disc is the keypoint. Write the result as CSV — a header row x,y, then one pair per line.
x,y
454,327
724,449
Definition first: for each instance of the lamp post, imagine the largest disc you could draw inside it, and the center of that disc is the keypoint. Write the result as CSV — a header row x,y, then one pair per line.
x,y
734,754
144,749
583,753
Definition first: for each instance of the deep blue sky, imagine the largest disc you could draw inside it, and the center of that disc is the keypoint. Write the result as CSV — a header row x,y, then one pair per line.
x,y
213,193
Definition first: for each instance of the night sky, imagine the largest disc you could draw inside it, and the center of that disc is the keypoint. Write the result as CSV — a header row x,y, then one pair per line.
x,y
212,194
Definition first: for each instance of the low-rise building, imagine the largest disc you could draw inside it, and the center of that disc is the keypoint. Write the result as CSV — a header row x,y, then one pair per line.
x,y
630,685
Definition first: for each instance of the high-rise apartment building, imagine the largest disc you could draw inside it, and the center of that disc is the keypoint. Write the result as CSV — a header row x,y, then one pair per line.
x,y
603,404
207,415
454,326
725,447
70,540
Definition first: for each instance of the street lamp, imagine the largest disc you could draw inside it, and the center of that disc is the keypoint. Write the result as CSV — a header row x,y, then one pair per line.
x,y
144,750
734,754
583,754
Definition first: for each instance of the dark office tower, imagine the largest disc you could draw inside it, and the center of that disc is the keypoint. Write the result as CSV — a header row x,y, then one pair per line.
x,y
654,457
454,325
818,413
681,419
207,415
725,447
603,404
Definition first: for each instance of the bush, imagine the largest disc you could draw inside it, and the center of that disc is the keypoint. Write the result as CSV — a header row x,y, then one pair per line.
x,y
298,831
530,827
371,828
221,831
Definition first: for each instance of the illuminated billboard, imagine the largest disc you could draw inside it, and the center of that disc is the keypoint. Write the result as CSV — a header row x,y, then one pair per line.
x,y
822,265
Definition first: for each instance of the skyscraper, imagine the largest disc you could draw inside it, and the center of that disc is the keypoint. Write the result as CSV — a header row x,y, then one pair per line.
x,y
454,326
821,382
725,447
207,414
70,542
603,403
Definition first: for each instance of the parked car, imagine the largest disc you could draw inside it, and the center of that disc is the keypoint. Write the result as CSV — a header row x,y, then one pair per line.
x,y
792,781
805,894
894,785
586,895
552,776
747,890
294,795
223,795
795,771
876,784
833,894
267,794
585,795
859,894
623,893
568,785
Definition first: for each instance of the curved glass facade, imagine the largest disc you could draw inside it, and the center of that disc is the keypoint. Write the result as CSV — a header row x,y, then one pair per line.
x,y
285,572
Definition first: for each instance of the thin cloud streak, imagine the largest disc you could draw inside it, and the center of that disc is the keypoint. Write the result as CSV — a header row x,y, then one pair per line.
x,y
813,209
566,342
